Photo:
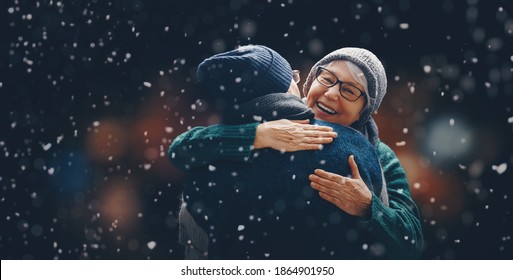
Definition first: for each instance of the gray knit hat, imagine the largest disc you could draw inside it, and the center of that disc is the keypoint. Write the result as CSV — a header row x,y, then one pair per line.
x,y
376,83
245,73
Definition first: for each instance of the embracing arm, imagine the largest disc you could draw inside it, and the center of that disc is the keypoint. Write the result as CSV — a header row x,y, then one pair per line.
x,y
398,225
203,145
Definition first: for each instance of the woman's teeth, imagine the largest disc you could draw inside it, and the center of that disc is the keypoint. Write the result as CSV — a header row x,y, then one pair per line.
x,y
326,108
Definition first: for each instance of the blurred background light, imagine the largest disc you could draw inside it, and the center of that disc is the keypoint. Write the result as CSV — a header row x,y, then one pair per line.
x,y
448,139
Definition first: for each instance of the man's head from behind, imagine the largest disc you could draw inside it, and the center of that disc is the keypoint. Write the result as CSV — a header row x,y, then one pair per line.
x,y
245,73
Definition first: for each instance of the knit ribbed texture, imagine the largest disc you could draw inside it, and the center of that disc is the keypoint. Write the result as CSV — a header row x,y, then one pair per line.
x,y
397,224
376,79
204,142
248,72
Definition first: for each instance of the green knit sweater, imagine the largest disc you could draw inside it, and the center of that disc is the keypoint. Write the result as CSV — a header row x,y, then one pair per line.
x,y
397,226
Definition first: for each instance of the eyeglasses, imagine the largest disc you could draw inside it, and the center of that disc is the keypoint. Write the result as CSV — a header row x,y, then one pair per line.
x,y
295,76
328,79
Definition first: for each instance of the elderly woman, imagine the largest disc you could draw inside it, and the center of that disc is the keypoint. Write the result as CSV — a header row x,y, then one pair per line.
x,y
344,87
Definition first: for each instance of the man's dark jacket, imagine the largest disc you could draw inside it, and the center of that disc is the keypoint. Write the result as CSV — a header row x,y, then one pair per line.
x,y
266,208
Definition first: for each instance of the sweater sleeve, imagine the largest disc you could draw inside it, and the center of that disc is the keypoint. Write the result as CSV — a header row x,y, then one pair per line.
x,y
203,145
398,225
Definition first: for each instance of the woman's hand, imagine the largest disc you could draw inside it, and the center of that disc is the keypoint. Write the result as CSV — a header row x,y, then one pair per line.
x,y
290,136
349,194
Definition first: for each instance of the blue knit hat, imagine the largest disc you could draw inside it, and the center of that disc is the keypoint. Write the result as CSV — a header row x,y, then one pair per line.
x,y
245,73
376,83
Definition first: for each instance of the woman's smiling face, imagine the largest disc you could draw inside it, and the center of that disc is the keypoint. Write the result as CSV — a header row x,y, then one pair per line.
x,y
327,103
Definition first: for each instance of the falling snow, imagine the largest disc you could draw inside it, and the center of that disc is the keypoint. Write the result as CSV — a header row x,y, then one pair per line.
x,y
93,94
501,168
47,147
151,245
404,25
400,144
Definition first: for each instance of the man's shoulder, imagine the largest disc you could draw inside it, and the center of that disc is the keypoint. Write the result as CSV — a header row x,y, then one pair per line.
x,y
346,131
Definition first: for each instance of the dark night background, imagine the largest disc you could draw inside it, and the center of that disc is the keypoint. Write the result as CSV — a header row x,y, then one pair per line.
x,y
93,92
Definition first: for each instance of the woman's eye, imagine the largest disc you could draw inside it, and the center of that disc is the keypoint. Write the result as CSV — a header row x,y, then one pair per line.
x,y
327,80
348,91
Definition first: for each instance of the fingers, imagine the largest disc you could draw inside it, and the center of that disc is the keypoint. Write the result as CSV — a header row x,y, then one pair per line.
x,y
354,167
311,140
326,190
290,136
306,144
317,140
301,121
308,126
319,133
324,181
308,139
329,176
317,127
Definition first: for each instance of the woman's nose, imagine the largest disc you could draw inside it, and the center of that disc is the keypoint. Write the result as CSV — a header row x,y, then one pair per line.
x,y
332,93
